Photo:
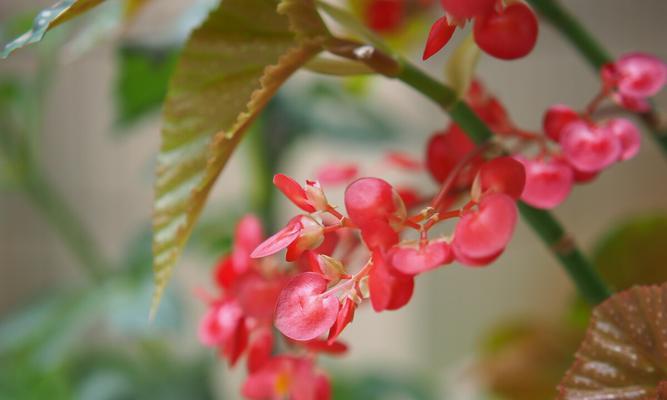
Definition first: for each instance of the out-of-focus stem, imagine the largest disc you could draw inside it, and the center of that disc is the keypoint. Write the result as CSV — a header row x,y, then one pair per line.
x,y
66,223
595,54
580,270
262,169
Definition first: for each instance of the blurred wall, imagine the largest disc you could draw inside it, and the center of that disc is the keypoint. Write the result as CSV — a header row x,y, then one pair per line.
x,y
109,180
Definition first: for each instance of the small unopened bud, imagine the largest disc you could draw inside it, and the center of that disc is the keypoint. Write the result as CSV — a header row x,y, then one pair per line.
x,y
316,195
331,268
310,237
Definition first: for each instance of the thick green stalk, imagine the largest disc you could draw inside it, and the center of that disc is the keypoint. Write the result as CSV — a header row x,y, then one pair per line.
x,y
587,280
594,53
65,222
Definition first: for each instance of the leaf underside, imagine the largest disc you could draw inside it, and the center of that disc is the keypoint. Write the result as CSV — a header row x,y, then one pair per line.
x,y
624,354
229,69
49,18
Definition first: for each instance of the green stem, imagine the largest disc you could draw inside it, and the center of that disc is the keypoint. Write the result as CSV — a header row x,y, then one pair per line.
x,y
66,223
595,54
262,167
587,280
585,277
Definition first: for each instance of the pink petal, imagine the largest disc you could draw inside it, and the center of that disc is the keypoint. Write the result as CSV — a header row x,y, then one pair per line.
x,y
556,118
441,32
503,175
403,161
484,232
302,313
548,182
471,261
640,75
337,174
260,349
344,317
248,236
293,191
280,240
589,148
412,261
628,135
389,289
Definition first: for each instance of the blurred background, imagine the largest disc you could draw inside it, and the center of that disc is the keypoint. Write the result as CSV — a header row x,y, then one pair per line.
x,y
75,262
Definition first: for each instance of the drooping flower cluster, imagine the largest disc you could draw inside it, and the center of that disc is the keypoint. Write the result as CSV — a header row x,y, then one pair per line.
x,y
575,148
239,322
505,30
360,256
336,261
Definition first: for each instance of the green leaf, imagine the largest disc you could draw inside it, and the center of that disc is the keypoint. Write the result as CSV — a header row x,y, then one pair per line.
x,y
22,380
634,253
229,69
47,19
460,70
624,354
304,19
141,85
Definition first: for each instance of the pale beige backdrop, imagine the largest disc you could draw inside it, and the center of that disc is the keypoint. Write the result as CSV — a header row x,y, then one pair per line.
x,y
110,179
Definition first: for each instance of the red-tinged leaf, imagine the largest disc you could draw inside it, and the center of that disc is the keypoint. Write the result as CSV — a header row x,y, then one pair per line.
x,y
279,240
229,69
624,354
303,312
441,32
293,191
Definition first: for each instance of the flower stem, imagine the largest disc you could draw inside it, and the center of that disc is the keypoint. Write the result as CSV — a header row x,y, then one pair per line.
x,y
262,168
580,270
583,274
595,54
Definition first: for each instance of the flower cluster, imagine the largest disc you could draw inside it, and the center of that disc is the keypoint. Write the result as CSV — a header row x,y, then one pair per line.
x,y
361,256
372,252
575,148
505,30
239,322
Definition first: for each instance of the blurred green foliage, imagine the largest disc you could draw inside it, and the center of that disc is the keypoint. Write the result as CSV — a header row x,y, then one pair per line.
x,y
141,82
633,252
380,386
